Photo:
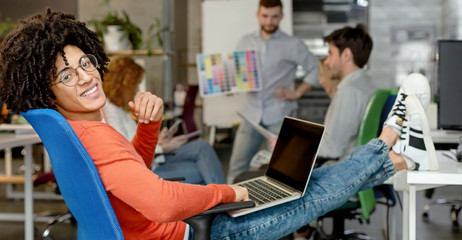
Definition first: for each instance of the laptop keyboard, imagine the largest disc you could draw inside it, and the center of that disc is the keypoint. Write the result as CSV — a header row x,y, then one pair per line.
x,y
262,192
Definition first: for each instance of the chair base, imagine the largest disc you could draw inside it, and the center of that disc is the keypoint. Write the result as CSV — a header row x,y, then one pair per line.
x,y
455,205
339,216
347,235
58,219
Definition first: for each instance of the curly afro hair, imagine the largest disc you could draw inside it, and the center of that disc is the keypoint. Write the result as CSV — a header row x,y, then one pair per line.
x,y
28,54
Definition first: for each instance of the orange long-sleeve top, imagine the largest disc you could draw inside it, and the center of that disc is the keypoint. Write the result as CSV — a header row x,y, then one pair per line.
x,y
146,206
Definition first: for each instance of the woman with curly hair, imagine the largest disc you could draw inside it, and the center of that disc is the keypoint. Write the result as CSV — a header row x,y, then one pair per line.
x,y
54,61
195,160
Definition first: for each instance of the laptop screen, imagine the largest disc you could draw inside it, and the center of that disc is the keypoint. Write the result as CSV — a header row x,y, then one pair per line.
x,y
295,152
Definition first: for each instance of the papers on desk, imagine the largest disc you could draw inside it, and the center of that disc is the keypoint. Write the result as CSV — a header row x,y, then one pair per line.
x,y
447,156
264,132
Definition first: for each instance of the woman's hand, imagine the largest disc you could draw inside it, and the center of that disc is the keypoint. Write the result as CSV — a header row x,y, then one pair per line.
x,y
173,143
147,107
241,193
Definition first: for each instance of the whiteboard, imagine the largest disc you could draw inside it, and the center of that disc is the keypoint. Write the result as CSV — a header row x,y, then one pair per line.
x,y
224,22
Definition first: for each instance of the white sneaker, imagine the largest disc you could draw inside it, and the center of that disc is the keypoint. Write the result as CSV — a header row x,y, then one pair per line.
x,y
416,145
415,84
418,85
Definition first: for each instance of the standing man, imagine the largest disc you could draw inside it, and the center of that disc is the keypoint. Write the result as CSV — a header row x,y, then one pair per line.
x,y
280,54
349,50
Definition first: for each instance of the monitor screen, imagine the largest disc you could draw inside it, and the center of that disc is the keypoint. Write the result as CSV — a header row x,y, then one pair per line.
x,y
450,84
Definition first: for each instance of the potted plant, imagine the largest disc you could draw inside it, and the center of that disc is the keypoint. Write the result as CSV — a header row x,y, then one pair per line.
x,y
155,35
5,27
119,30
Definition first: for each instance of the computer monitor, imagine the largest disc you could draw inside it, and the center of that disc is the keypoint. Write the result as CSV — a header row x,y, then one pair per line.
x,y
449,84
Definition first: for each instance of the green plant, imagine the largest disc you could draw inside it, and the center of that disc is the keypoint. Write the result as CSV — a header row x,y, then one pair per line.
x,y
129,29
155,34
5,27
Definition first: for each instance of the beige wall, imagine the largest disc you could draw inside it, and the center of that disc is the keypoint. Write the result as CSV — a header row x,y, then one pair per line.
x,y
142,13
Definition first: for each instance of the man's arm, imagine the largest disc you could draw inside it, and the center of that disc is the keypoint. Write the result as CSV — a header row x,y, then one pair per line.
x,y
303,57
285,94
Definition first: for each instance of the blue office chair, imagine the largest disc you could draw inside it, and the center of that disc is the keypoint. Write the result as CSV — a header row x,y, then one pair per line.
x,y
82,188
77,176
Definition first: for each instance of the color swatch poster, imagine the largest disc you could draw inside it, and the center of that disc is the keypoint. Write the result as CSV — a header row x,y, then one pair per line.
x,y
233,72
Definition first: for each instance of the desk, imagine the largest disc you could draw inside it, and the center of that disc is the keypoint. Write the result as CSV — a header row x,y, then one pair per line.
x,y
449,173
26,140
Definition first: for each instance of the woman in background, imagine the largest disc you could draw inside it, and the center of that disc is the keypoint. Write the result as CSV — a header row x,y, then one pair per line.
x,y
195,160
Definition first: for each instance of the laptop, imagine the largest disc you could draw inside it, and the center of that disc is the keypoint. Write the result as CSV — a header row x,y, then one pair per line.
x,y
290,166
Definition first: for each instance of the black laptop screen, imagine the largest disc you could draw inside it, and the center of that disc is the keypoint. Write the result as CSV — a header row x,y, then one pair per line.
x,y
295,152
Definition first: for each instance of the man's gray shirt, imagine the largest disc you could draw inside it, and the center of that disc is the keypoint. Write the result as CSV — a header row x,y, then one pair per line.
x,y
279,57
345,114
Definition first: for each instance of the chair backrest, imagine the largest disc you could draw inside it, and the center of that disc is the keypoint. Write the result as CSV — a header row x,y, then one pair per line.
x,y
76,175
376,112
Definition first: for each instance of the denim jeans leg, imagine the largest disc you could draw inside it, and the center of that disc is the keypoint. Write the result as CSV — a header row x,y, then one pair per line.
x,y
205,158
196,161
186,169
246,145
329,188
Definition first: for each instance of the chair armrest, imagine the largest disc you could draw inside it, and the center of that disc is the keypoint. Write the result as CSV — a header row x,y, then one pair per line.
x,y
175,179
202,222
225,207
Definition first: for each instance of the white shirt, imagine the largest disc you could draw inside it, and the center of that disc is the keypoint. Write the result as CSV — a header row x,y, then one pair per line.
x,y
122,121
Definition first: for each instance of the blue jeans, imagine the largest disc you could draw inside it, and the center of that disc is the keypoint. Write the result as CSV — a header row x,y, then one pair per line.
x,y
329,188
196,161
246,144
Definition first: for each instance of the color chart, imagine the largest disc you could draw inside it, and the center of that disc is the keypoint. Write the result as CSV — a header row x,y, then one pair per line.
x,y
233,72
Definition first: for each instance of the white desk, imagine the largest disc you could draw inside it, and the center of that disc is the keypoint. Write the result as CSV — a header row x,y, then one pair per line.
x,y
449,173
26,140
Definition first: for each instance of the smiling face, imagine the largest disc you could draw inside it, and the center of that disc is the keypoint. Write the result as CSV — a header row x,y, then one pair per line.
x,y
269,18
84,100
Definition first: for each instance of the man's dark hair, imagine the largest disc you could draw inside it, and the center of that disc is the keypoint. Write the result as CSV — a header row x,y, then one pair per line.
x,y
356,39
270,3
28,55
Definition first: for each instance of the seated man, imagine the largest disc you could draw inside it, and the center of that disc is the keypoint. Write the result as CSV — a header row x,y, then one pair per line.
x,y
196,160
349,50
54,61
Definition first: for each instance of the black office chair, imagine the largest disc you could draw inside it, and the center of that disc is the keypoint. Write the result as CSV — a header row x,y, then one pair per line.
x,y
47,178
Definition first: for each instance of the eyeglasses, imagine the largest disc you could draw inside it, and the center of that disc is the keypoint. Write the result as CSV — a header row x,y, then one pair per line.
x,y
70,77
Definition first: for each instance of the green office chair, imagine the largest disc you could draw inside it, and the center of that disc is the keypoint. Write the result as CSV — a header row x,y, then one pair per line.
x,y
361,208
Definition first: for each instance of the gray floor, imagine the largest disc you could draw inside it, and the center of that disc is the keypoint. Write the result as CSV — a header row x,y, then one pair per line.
x,y
439,226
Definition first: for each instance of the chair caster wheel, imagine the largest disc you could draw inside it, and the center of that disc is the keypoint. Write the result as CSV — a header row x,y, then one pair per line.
x,y
425,217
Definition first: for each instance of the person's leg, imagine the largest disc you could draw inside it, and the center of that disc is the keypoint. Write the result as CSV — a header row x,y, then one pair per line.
x,y
246,145
186,169
328,189
205,158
